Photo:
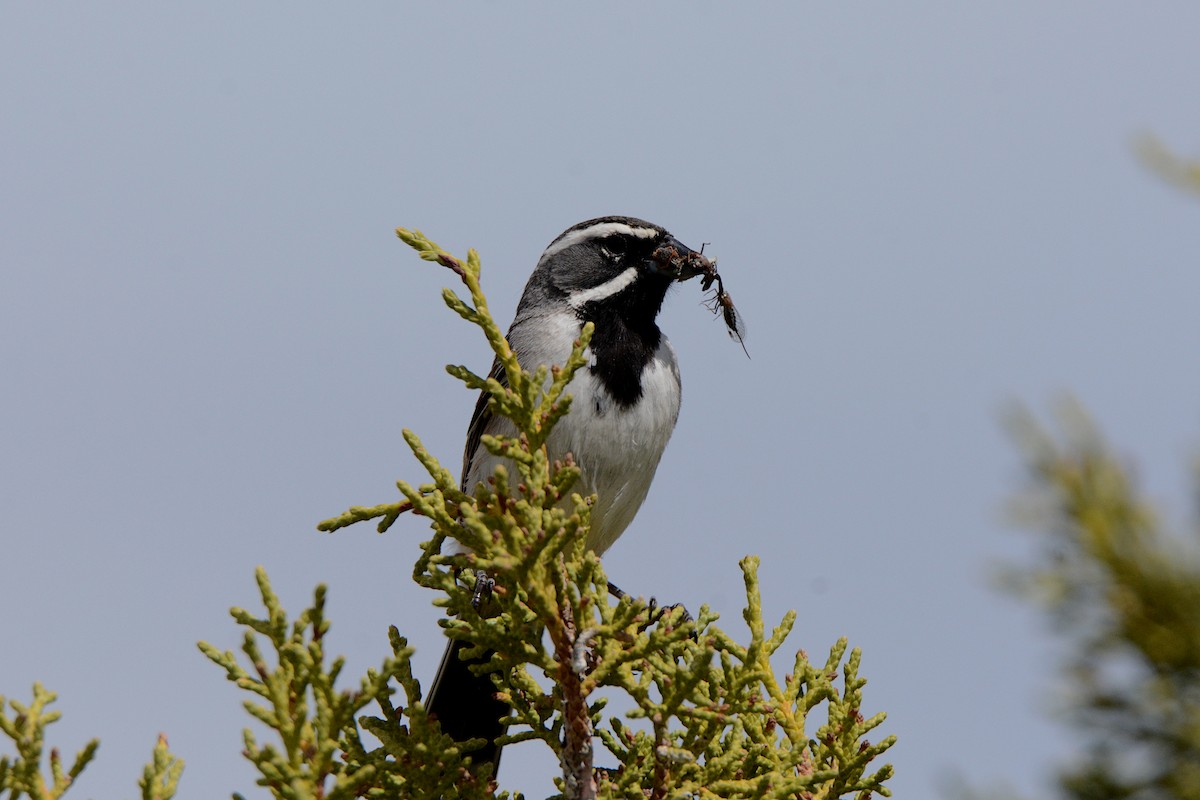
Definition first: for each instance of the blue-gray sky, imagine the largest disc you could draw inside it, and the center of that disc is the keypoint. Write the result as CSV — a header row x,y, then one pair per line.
x,y
211,339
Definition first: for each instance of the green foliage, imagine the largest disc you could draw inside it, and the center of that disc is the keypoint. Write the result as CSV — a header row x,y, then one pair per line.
x,y
738,731
27,730
320,751
160,778
23,775
1125,594
711,718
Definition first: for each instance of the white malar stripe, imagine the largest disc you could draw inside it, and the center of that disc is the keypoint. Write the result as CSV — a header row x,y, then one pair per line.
x,y
596,232
603,291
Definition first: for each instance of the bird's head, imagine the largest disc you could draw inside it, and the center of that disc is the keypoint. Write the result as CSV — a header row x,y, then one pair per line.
x,y
617,263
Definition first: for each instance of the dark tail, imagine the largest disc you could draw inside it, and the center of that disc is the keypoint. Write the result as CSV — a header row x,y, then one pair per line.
x,y
466,705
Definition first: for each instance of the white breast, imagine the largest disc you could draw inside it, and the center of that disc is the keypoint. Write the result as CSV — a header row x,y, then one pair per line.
x,y
617,449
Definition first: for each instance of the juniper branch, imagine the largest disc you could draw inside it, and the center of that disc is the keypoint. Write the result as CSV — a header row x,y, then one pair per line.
x,y
23,774
300,703
160,778
711,717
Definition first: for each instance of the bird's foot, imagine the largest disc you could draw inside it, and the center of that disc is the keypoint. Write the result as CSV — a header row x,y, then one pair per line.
x,y
484,584
656,612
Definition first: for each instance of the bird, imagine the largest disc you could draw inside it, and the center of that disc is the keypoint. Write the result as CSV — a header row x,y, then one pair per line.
x,y
614,272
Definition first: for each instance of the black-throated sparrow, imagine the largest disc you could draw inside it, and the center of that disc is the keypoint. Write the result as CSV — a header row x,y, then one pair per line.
x,y
613,272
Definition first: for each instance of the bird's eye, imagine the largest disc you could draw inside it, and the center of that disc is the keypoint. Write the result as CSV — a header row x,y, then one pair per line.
x,y
615,245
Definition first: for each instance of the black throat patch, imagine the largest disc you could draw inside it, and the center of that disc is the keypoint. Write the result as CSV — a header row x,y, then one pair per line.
x,y
626,336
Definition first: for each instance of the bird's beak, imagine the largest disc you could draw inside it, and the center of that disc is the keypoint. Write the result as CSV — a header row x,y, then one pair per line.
x,y
680,262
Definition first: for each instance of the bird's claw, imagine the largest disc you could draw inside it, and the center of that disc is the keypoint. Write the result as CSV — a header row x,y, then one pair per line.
x,y
655,612
658,612
484,584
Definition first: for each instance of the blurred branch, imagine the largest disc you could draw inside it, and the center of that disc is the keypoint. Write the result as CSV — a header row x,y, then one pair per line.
x,y
1175,169
1125,594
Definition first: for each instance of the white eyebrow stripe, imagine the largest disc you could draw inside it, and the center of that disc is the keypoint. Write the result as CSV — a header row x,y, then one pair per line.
x,y
596,232
603,291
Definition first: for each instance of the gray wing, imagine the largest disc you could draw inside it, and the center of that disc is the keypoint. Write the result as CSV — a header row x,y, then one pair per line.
x,y
530,341
480,420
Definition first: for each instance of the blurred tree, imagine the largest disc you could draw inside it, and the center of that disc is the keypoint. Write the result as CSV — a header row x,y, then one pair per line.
x,y
1122,591
1125,595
